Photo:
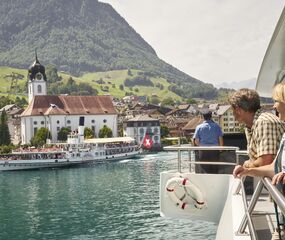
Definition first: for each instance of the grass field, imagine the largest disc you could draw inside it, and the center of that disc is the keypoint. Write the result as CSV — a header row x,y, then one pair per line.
x,y
112,80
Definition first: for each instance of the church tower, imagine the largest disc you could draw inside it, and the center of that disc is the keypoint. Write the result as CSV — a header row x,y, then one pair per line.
x,y
37,80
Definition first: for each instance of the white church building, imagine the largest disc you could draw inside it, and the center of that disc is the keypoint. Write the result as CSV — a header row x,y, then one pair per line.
x,y
56,112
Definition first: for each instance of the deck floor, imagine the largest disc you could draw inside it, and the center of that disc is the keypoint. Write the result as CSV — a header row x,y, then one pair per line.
x,y
263,217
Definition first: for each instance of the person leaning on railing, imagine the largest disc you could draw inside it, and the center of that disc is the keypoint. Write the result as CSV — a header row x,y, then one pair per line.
x,y
263,129
276,169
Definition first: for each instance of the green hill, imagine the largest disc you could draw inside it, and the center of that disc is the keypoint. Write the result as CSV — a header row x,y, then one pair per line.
x,y
81,36
104,82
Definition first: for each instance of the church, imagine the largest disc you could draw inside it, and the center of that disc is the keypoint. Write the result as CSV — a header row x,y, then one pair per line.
x,y
56,112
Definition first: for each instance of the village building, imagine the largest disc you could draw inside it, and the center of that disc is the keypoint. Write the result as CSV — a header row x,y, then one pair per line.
x,y
142,125
56,112
13,113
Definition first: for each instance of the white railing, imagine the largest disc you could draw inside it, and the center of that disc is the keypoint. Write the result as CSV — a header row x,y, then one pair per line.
x,y
265,182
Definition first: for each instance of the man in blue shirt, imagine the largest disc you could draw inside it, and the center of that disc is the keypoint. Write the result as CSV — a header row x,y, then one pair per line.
x,y
208,133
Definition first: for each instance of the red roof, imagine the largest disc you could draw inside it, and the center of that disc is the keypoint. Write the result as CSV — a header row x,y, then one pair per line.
x,y
71,105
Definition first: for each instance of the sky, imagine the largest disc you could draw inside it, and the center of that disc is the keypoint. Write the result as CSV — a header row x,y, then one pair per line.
x,y
215,41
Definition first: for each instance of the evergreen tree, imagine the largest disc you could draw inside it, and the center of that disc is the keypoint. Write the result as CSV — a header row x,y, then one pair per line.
x,y
88,133
62,134
105,132
5,138
39,139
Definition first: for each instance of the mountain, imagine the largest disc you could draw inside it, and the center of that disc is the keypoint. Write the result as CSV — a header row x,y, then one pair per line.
x,y
250,83
80,36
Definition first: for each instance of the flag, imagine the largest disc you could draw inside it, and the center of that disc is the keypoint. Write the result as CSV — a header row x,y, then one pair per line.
x,y
147,142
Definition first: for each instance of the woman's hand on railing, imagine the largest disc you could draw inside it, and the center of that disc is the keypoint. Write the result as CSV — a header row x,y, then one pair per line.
x,y
239,171
278,178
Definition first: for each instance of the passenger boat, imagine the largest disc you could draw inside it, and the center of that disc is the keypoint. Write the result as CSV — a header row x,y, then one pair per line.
x,y
76,151
219,197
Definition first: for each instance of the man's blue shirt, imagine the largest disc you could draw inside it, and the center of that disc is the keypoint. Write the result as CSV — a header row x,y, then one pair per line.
x,y
208,133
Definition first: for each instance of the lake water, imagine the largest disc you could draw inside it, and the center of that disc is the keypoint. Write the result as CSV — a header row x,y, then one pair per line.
x,y
118,200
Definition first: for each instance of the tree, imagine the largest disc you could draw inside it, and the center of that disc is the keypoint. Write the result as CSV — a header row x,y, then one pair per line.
x,y
105,132
5,138
164,131
88,133
62,134
121,87
167,102
51,74
39,139
154,100
191,101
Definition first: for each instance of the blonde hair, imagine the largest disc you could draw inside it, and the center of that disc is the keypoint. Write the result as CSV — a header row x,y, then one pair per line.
x,y
278,92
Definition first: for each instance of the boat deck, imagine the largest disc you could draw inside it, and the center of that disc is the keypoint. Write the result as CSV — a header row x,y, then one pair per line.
x,y
263,217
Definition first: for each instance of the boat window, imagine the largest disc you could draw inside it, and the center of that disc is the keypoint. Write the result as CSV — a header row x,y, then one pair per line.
x,y
57,121
35,122
92,121
105,120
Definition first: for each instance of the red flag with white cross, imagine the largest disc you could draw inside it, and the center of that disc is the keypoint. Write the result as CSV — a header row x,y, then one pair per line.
x,y
147,142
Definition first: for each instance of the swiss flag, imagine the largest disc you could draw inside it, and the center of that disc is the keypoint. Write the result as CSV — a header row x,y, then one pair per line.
x,y
147,142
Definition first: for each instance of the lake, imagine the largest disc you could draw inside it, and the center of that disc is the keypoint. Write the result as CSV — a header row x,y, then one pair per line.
x,y
118,200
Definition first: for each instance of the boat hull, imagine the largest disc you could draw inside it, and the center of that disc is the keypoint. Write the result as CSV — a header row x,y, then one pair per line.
x,y
13,165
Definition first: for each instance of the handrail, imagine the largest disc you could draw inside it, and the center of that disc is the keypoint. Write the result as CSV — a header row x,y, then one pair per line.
x,y
277,196
188,147
273,191
247,216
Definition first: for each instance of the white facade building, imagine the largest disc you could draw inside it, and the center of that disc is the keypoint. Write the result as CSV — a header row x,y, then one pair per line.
x,y
141,125
56,112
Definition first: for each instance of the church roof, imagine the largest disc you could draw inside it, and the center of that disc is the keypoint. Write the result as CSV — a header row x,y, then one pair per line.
x,y
69,105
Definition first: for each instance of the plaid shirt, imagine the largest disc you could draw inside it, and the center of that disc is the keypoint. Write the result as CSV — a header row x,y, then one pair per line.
x,y
265,134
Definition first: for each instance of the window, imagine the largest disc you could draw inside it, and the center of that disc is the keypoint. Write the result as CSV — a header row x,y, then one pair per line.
x,y
57,121
141,131
39,89
35,122
42,122
105,120
155,130
35,130
58,128
92,121
68,121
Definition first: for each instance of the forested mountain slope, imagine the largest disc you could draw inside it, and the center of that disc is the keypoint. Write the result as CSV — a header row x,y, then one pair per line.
x,y
80,36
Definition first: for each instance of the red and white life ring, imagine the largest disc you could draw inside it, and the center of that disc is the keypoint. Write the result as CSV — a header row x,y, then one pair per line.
x,y
189,190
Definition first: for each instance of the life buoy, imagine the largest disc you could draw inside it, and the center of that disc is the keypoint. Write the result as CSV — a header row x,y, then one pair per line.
x,y
189,190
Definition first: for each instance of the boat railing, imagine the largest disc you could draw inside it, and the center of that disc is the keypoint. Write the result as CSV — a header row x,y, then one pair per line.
x,y
191,149
249,207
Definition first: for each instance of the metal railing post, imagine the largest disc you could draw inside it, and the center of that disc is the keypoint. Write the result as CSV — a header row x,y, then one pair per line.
x,y
251,206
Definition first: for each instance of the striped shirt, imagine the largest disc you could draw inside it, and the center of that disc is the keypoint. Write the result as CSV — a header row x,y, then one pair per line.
x,y
265,134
